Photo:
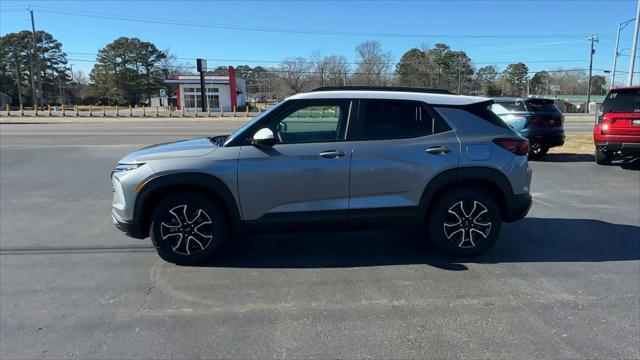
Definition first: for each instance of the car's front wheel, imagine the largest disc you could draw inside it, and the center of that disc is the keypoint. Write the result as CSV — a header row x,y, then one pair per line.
x,y
464,221
188,228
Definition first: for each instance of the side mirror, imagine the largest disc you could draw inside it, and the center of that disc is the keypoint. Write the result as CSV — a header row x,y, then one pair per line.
x,y
263,136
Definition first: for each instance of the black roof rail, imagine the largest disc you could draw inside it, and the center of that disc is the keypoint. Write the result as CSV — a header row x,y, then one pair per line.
x,y
383,88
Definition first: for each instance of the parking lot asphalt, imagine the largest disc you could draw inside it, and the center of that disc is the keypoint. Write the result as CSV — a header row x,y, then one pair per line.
x,y
562,283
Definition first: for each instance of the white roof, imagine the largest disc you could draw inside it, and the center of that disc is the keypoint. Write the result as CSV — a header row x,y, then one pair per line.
x,y
429,98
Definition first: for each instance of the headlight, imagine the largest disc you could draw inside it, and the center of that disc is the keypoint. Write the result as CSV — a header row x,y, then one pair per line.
x,y
126,167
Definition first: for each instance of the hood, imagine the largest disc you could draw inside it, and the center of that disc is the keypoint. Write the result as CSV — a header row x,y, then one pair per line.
x,y
172,150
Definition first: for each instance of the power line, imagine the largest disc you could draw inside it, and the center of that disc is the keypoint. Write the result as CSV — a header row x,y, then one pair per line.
x,y
198,24
346,63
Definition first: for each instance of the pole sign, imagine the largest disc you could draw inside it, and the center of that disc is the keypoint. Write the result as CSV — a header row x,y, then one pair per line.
x,y
202,65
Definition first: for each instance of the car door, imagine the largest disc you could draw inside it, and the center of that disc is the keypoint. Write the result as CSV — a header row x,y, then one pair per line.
x,y
400,145
305,175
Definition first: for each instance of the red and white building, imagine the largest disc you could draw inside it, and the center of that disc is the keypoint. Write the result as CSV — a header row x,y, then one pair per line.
x,y
223,92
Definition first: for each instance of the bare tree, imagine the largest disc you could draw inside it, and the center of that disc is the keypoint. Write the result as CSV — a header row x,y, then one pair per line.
x,y
373,64
335,68
296,73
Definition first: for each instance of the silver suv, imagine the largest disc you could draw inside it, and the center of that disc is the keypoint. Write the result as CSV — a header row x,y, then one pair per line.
x,y
353,156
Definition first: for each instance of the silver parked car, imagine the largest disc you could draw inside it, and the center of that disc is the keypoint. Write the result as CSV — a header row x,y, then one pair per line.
x,y
354,157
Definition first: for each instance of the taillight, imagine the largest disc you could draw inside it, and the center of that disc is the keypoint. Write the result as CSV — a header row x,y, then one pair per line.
x,y
517,146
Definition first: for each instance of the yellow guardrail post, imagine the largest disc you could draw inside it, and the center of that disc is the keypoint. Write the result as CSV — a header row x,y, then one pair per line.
x,y
63,112
21,110
104,111
49,109
36,108
144,111
157,111
90,110
234,111
221,111
77,110
117,111
170,108
209,111
246,114
130,111
8,110
183,115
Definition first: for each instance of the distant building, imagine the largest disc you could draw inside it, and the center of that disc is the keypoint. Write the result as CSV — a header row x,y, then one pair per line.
x,y
224,92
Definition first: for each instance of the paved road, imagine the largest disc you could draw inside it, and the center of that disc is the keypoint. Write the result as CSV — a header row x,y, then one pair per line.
x,y
580,123
563,283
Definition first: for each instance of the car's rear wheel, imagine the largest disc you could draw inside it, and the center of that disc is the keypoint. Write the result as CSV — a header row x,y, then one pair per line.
x,y
464,221
537,151
603,156
188,228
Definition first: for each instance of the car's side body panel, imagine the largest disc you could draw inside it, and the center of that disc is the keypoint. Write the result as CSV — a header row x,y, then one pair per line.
x,y
288,178
393,173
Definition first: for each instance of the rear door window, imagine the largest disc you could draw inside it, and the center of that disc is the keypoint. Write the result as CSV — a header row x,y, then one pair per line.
x,y
622,102
394,119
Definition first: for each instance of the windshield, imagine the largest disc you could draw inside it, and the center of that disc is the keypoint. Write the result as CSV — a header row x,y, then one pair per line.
x,y
250,123
627,101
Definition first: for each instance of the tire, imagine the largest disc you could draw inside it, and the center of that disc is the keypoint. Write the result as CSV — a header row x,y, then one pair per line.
x,y
538,151
603,157
464,222
188,228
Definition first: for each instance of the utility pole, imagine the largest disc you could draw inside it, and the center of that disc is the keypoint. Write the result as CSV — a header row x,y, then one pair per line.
x,y
459,73
202,67
632,61
36,60
593,39
616,53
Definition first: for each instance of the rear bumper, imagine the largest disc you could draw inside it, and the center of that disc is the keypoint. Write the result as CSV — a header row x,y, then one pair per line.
x,y
132,228
546,138
627,148
518,207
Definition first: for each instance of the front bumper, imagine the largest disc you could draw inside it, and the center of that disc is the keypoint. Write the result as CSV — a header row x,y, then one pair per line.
x,y
133,228
518,207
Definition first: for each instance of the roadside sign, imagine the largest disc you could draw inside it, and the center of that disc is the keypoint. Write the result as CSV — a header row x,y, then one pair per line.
x,y
202,65
163,92
555,87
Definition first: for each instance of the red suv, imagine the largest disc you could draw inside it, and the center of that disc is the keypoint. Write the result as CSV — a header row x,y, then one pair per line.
x,y
617,130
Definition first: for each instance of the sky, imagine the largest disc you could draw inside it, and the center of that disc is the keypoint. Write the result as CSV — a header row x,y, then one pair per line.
x,y
543,34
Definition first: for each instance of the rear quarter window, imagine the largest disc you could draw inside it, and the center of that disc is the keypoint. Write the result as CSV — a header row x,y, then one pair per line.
x,y
466,115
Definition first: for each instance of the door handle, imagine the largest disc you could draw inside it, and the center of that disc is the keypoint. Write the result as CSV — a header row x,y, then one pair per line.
x,y
438,150
332,154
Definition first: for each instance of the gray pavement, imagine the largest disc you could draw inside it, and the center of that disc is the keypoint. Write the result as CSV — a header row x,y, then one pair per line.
x,y
581,123
562,283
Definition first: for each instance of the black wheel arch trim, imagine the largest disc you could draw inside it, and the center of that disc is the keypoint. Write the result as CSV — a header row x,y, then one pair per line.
x,y
211,183
511,205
